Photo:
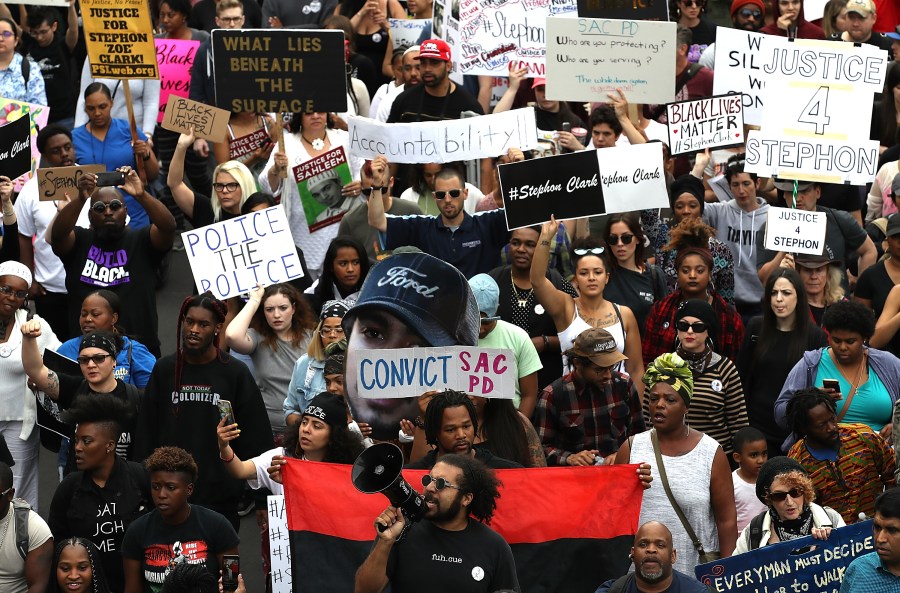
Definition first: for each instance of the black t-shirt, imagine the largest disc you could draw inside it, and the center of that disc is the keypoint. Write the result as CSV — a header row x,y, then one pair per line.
x,y
72,387
54,62
875,284
414,104
474,560
482,454
835,196
703,34
636,290
203,214
203,15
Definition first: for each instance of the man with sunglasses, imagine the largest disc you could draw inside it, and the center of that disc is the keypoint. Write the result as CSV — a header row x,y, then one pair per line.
x,y
24,560
375,181
109,255
448,551
746,15
471,243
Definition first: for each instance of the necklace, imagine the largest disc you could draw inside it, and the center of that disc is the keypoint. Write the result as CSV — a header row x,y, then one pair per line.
x,y
521,300
317,144
8,518
854,385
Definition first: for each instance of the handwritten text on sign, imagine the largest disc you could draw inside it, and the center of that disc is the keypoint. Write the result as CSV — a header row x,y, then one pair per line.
x,y
175,57
119,40
790,567
705,123
55,182
632,177
405,32
279,545
484,136
488,372
795,231
183,115
588,58
231,257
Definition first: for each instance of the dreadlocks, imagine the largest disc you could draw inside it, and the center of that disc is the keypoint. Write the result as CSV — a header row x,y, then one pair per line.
x,y
801,402
204,301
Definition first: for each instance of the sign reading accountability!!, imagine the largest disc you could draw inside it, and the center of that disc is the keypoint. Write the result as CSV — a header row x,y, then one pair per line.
x,y
705,123
484,136
279,70
119,40
410,372
804,565
233,256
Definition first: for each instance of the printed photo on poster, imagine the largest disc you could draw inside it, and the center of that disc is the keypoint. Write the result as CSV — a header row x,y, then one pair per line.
x,y
320,182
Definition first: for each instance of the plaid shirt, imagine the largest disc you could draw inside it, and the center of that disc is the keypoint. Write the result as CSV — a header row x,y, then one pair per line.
x,y
572,418
660,328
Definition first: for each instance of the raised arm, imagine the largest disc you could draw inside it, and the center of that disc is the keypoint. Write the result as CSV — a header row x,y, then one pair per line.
x,y
377,217
72,31
558,304
182,194
515,79
241,470
372,574
620,104
43,378
162,223
236,333
889,322
61,233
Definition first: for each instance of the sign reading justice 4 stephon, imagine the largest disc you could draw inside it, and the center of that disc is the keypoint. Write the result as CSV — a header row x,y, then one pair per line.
x,y
795,231
119,38
279,70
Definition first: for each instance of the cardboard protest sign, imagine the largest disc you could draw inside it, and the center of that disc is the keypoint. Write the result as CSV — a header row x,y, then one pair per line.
x,y
55,182
795,231
705,123
588,58
804,564
445,25
119,40
633,177
279,545
639,10
279,70
233,256
444,141
566,186
175,58
320,182
494,34
15,148
406,32
183,115
37,115
410,372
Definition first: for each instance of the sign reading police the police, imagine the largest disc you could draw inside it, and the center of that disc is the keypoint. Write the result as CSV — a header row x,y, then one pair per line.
x,y
279,70
711,122
119,39
410,372
640,10
231,257
795,231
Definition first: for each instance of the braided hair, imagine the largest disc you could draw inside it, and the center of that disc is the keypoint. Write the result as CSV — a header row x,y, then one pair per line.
x,y
98,578
204,301
190,578
801,402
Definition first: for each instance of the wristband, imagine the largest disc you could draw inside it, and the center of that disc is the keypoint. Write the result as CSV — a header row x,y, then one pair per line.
x,y
230,459
405,438
419,423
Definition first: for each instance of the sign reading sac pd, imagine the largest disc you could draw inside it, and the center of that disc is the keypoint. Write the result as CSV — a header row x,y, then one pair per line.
x,y
279,70
120,39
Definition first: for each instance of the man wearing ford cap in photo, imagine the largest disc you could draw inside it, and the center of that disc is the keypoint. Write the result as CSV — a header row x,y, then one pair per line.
x,y
407,300
586,415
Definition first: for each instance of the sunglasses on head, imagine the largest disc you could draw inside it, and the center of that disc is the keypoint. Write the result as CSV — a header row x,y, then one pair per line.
x,y
698,326
625,238
367,191
100,207
749,12
454,193
95,358
592,251
780,496
439,483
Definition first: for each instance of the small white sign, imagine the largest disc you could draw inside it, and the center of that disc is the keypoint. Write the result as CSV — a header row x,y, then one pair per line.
x,y
632,177
795,231
279,545
405,32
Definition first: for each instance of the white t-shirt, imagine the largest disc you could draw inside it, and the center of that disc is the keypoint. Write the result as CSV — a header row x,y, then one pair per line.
x,y
748,506
12,566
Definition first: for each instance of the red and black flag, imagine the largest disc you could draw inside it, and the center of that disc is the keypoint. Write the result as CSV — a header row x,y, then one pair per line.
x,y
570,529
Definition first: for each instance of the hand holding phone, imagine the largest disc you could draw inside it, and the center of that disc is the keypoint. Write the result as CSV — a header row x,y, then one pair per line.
x,y
835,386
226,411
231,568
110,179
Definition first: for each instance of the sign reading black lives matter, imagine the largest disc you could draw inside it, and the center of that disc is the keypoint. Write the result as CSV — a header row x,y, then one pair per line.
x,y
710,122
279,70
641,10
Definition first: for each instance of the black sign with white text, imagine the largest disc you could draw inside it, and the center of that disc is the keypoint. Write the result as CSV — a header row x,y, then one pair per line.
x,y
15,148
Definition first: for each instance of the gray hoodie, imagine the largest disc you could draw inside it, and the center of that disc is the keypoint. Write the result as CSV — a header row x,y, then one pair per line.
x,y
737,229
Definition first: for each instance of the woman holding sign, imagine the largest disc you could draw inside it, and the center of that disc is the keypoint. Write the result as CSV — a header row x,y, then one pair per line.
x,y
571,316
249,142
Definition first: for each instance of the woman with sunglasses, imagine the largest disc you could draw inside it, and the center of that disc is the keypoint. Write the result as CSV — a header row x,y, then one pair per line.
x,y
571,316
692,14
785,488
343,273
632,281
308,377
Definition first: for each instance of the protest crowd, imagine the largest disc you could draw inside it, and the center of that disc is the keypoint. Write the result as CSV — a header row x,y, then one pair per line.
x,y
653,294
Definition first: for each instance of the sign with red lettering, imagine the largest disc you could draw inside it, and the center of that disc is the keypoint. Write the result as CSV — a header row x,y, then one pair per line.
x,y
706,123
320,182
175,58
238,147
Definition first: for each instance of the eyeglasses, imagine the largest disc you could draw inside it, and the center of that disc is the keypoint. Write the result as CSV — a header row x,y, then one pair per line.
x,y
748,13
113,205
780,496
230,19
95,358
439,483
626,239
367,191
593,251
7,34
8,290
698,326
226,187
454,193
332,331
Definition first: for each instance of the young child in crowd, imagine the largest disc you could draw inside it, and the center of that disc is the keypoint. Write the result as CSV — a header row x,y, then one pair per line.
x,y
750,453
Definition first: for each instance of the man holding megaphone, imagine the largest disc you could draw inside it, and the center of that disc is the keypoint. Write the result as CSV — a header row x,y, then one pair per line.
x,y
449,550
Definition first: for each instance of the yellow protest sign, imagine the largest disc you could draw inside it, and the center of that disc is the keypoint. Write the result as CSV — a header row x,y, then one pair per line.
x,y
119,38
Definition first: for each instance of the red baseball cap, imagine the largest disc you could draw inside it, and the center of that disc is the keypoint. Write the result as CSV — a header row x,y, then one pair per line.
x,y
436,49
539,82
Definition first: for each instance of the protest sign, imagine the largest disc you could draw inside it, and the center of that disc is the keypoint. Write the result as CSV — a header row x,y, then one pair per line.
x,y
279,545
739,60
175,58
55,182
183,115
484,136
495,33
233,256
37,115
119,40
795,231
320,182
60,3
15,148
632,177
279,70
588,58
238,147
705,123
813,10
406,32
800,565
410,372
445,25
566,186
639,10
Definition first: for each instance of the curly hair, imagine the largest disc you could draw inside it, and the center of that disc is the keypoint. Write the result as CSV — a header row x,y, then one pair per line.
x,y
98,578
303,321
801,402
344,445
850,316
479,481
190,578
690,232
105,409
796,479
434,413
172,459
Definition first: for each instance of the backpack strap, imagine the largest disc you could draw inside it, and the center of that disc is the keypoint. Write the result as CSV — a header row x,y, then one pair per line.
x,y
21,512
756,530
26,69
621,583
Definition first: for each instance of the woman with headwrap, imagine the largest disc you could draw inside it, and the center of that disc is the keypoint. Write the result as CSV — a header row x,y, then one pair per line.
x,y
784,486
696,470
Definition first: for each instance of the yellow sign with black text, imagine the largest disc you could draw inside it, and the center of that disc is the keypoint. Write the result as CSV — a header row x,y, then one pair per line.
x,y
119,38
